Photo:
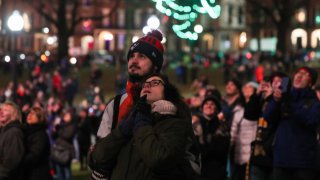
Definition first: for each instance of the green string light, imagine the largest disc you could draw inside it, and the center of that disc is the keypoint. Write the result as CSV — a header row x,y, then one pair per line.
x,y
186,15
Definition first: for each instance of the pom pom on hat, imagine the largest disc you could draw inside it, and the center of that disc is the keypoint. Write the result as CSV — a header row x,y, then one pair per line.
x,y
151,46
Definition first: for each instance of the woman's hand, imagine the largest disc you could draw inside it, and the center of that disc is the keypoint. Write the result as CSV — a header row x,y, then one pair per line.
x,y
142,105
143,116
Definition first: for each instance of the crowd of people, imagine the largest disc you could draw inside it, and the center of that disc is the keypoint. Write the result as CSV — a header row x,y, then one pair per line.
x,y
258,128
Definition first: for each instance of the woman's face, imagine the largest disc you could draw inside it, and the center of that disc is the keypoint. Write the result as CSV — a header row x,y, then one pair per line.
x,y
247,90
153,87
209,107
67,117
32,117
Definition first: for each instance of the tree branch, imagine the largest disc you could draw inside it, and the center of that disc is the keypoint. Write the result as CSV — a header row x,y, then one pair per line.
x,y
74,17
266,9
47,16
97,18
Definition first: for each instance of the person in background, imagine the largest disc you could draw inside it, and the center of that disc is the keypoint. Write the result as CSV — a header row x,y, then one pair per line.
x,y
152,142
84,137
232,110
243,132
36,158
12,146
65,132
261,160
213,137
233,101
298,114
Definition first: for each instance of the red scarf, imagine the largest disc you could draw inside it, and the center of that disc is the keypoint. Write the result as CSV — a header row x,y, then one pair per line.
x,y
127,104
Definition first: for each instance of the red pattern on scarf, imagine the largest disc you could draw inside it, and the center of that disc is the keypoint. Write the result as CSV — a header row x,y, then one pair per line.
x,y
127,104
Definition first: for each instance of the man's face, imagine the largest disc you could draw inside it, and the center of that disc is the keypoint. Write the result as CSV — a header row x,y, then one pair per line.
x,y
301,79
6,114
231,89
139,65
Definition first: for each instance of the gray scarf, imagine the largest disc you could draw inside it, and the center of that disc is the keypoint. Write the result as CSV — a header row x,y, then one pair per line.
x,y
163,107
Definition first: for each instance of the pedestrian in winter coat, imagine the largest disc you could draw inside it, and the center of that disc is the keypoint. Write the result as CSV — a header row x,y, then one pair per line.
x,y
213,137
65,132
261,160
232,108
11,142
36,158
84,137
298,114
151,142
243,132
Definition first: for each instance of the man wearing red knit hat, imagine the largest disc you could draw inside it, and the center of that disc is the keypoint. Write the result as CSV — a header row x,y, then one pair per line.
x,y
145,57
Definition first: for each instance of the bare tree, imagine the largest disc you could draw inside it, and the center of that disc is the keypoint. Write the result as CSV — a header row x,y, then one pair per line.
x,y
281,13
64,16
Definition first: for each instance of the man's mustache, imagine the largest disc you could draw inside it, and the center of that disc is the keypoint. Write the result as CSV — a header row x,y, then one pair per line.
x,y
134,66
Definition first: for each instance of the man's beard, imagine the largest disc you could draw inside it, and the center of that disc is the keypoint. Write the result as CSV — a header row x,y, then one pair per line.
x,y
134,78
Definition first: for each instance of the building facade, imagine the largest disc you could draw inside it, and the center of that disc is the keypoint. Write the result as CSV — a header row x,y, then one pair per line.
x,y
100,32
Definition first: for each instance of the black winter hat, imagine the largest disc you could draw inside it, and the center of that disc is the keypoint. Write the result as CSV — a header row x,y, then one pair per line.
x,y
237,84
214,99
277,74
151,46
312,72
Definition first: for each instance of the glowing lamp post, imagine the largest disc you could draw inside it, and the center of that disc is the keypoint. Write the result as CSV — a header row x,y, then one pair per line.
x,y
153,22
15,24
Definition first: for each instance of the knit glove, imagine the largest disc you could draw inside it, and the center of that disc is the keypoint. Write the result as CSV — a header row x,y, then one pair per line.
x,y
126,125
95,175
97,172
143,114
142,106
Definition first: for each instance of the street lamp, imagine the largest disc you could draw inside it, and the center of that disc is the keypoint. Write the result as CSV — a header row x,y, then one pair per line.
x,y
15,25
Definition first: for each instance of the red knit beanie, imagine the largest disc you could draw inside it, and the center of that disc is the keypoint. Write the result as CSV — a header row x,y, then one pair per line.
x,y
151,46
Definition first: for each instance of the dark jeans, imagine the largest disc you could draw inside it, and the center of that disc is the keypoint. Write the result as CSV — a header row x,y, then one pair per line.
x,y
294,174
260,173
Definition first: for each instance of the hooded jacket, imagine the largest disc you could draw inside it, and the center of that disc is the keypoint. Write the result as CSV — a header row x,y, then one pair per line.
x,y
156,151
295,139
11,151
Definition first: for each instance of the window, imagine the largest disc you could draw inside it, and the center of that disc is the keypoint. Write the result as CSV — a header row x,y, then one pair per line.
x,y
240,15
106,19
121,18
129,18
137,18
230,9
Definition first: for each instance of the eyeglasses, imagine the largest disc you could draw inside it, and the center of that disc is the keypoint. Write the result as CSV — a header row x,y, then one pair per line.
x,y
152,83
